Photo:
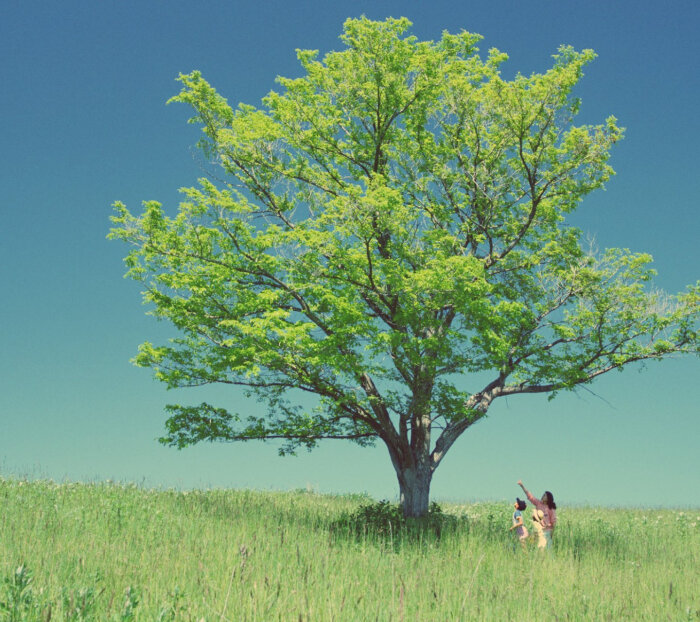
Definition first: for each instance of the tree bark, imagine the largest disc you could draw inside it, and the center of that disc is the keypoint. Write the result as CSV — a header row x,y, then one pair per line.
x,y
414,486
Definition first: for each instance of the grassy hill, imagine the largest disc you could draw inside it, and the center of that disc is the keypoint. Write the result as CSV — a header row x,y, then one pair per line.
x,y
111,552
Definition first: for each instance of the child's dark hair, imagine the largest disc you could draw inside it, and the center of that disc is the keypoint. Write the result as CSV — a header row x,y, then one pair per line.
x,y
549,500
521,504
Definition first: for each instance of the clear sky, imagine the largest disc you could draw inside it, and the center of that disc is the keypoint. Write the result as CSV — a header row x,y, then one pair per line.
x,y
83,123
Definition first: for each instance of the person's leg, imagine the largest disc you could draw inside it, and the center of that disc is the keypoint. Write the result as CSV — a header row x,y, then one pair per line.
x,y
548,539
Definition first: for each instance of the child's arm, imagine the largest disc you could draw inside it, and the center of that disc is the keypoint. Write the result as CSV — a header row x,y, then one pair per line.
x,y
519,523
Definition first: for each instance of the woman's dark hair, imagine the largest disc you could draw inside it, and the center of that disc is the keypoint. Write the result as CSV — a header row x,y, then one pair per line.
x,y
521,504
548,498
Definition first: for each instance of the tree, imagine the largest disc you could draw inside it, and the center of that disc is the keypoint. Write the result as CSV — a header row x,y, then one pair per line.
x,y
391,226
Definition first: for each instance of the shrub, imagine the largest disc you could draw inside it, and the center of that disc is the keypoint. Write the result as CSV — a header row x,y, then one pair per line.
x,y
385,520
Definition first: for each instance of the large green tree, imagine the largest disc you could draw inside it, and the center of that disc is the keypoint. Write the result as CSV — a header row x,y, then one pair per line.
x,y
390,229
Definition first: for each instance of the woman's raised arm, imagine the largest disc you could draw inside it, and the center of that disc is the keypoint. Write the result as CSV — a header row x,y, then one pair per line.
x,y
534,500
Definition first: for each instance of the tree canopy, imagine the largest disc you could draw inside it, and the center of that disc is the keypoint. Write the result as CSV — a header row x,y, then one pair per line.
x,y
388,230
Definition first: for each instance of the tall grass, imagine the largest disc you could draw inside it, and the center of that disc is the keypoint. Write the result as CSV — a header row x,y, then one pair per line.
x,y
114,552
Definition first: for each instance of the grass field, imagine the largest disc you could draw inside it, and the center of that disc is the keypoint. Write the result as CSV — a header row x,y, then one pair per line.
x,y
111,552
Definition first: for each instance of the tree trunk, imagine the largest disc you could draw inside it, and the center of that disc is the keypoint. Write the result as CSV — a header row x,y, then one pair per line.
x,y
414,485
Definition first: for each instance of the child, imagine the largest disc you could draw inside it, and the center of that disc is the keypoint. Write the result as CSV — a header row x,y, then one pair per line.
x,y
538,524
518,525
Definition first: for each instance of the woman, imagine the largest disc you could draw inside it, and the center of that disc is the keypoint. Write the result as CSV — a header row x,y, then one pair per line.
x,y
549,509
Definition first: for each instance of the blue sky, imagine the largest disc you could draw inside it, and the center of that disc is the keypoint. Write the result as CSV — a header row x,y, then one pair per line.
x,y
83,123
